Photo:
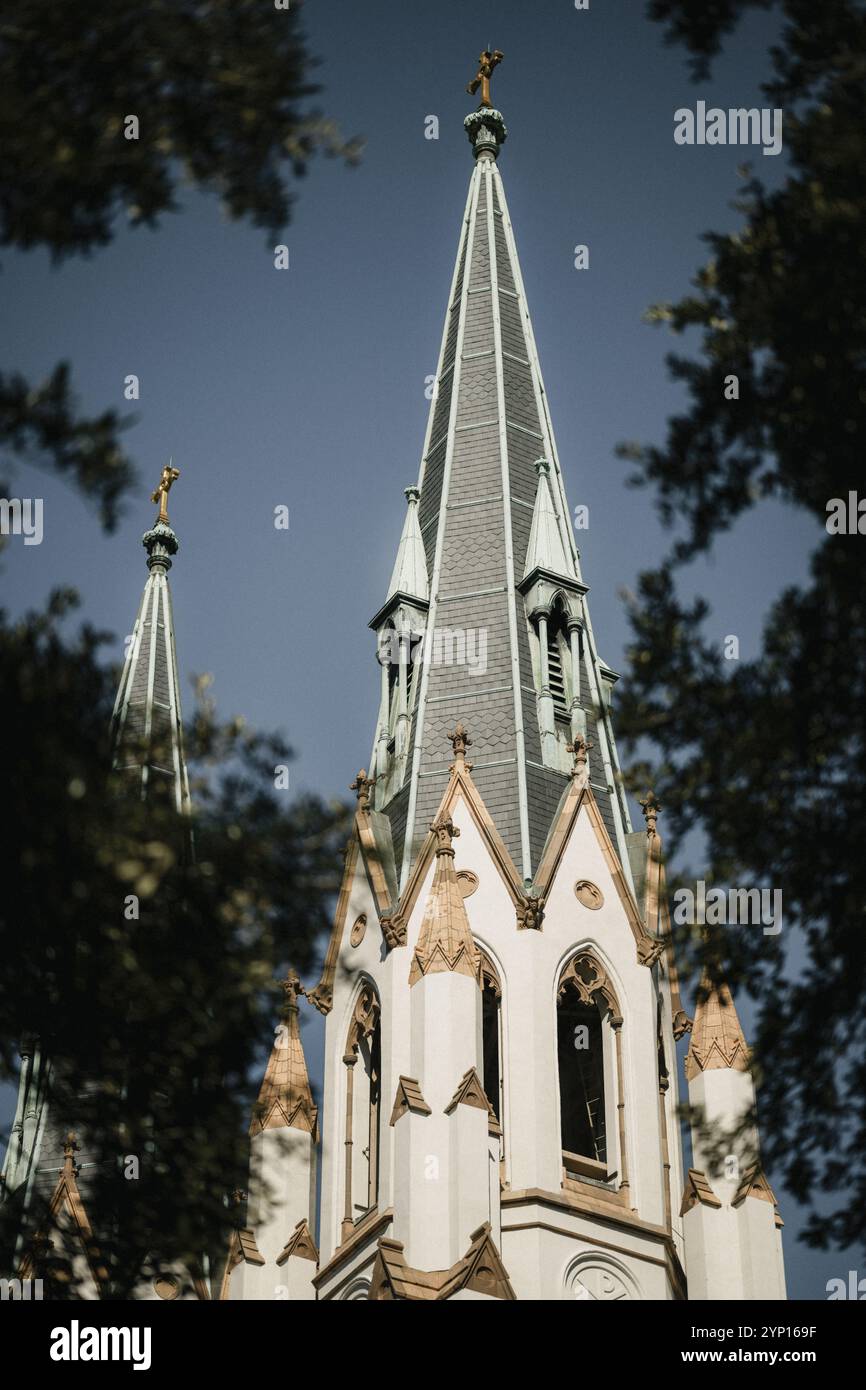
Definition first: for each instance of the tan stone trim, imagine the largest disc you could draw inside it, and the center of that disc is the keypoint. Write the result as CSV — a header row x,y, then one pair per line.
x,y
697,1189
373,863
594,1241
580,795
249,1251
717,1040
681,1021
459,783
242,1250
408,1097
300,1244
67,1195
481,1269
372,1222
469,1092
753,1184
323,994
625,1220
648,947
584,1205
559,837
359,1271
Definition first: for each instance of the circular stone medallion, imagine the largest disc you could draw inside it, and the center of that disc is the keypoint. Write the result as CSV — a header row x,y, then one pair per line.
x,y
588,894
468,882
357,933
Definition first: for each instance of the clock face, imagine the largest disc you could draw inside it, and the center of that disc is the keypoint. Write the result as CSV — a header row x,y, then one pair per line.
x,y
599,1283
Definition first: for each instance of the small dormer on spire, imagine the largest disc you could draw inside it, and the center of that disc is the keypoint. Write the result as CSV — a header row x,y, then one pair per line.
x,y
409,577
546,552
400,626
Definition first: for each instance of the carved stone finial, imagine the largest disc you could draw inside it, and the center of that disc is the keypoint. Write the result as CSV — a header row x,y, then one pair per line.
x,y
651,806
445,831
579,750
487,61
70,1149
682,1024
160,493
460,741
292,988
363,786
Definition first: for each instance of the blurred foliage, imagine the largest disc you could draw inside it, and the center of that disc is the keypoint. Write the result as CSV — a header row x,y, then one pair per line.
x,y
766,757
156,1024
221,91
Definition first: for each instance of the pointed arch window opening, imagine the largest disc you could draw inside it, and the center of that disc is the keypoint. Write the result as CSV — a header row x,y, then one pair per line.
x,y
404,646
590,1074
362,1062
491,1036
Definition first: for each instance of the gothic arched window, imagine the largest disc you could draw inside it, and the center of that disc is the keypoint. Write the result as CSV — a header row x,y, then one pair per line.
x,y
491,1035
590,1070
363,1068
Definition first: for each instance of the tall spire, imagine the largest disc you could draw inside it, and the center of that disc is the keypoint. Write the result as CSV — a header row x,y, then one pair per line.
x,y
486,511
147,730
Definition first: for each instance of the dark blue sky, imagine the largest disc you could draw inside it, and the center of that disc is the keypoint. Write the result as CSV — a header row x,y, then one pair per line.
x,y
306,387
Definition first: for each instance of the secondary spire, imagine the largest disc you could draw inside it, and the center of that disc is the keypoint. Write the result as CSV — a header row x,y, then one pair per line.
x,y
147,731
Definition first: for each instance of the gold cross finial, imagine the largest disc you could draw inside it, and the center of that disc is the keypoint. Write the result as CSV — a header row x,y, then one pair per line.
x,y
486,63
160,493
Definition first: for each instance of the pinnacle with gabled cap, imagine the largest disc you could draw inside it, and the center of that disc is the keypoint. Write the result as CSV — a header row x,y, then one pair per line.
x,y
285,1099
717,1040
445,939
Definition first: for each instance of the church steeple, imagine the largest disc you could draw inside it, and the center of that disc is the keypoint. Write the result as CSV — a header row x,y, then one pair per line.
x,y
519,660
147,732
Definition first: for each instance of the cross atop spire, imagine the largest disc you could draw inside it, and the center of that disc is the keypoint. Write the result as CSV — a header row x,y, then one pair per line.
x,y
160,493
486,63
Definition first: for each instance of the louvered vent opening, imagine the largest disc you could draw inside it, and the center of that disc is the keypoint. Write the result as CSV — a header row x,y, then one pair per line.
x,y
556,677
